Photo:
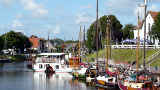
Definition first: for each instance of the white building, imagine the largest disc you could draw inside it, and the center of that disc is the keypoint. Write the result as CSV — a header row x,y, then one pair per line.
x,y
150,19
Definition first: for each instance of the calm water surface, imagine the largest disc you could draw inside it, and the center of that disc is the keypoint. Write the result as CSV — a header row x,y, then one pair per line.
x,y
15,76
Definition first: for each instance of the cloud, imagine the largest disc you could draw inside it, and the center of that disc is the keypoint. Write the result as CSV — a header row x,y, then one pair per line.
x,y
154,7
83,18
18,16
86,7
55,30
7,2
37,9
126,10
121,7
16,23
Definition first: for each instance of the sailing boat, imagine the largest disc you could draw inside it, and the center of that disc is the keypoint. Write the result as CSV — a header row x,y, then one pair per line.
x,y
136,80
108,78
80,73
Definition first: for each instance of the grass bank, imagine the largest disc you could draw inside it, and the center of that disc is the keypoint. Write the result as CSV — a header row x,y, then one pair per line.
x,y
127,55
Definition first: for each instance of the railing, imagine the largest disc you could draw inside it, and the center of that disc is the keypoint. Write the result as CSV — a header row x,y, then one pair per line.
x,y
135,46
153,57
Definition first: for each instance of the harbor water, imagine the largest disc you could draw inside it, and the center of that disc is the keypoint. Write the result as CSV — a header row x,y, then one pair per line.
x,y
16,76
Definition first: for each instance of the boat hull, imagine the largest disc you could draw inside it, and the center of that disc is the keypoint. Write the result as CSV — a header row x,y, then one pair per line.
x,y
122,87
101,82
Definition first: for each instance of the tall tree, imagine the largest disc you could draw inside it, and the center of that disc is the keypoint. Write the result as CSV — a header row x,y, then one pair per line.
x,y
91,41
1,43
128,31
16,40
116,33
155,32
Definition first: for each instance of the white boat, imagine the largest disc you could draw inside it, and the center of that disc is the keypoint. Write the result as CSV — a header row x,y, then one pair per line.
x,y
106,80
56,60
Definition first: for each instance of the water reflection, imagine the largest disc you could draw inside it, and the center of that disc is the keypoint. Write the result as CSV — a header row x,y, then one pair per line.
x,y
16,76
58,81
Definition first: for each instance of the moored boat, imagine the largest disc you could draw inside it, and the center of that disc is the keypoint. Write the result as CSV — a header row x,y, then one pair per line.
x,y
56,60
107,79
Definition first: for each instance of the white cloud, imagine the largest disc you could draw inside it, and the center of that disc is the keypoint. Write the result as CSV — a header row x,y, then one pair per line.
x,y
18,16
120,6
55,30
22,31
154,7
83,18
37,9
87,6
7,2
16,23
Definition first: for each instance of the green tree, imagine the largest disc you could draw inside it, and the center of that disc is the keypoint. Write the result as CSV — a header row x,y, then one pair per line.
x,y
91,41
116,33
155,32
128,31
16,40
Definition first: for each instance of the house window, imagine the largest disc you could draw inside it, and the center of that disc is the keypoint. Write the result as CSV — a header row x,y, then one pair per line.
x,y
40,66
57,66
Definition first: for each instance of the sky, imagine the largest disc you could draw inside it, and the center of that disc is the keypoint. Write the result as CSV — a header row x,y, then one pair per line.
x,y
63,18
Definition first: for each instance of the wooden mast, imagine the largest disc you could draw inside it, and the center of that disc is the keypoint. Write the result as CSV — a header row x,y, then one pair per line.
x,y
107,42
137,49
79,45
97,47
144,58
72,48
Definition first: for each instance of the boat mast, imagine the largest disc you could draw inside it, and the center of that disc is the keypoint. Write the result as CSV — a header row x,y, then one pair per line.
x,y
137,49
79,53
72,48
48,41
107,42
97,35
84,38
145,10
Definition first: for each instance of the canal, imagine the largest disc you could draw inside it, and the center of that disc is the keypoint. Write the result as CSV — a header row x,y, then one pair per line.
x,y
16,76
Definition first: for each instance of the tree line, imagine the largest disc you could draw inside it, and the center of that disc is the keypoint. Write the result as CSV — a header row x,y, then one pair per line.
x,y
14,40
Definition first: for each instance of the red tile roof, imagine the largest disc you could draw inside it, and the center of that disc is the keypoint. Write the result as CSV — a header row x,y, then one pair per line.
x,y
154,14
35,41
